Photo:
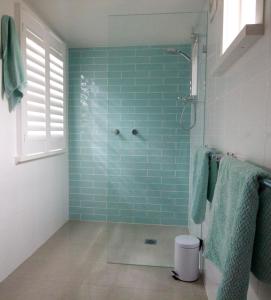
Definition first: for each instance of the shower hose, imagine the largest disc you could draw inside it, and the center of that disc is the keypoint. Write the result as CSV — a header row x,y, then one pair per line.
x,y
186,103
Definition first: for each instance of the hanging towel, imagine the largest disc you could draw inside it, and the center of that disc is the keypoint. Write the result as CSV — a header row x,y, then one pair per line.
x,y
13,75
261,260
213,171
232,228
200,184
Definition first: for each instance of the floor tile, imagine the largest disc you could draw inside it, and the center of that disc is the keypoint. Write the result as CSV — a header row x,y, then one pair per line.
x,y
72,265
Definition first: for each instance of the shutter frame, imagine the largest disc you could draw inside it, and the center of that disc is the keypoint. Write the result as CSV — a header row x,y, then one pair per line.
x,y
34,132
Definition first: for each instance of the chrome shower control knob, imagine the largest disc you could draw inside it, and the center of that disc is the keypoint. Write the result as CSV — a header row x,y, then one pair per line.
x,y
134,131
116,131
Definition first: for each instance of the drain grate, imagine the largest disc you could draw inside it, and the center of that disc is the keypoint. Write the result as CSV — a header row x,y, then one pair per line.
x,y
151,242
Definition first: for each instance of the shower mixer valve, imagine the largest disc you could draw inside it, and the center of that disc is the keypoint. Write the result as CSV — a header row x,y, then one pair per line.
x,y
134,131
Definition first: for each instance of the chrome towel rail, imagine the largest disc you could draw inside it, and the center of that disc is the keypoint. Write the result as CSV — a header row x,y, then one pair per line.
x,y
218,157
266,183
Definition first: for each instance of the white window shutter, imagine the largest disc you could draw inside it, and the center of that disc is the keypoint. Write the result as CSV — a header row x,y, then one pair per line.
x,y
33,109
57,93
41,118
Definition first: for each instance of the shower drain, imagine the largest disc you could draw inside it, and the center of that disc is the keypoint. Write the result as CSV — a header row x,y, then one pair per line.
x,y
150,242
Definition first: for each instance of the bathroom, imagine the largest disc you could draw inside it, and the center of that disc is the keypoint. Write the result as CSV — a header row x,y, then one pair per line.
x,y
124,111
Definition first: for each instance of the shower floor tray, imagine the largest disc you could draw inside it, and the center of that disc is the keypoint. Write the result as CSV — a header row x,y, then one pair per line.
x,y
151,245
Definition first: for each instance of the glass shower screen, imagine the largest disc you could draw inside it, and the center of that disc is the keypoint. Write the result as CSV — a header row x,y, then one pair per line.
x,y
149,67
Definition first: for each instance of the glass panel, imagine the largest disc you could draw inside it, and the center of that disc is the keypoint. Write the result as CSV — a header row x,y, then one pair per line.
x,y
150,111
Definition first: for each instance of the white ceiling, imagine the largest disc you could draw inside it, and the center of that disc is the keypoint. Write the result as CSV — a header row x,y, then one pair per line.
x,y
86,23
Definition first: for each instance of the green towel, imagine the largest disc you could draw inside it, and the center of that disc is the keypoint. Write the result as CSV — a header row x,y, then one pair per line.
x,y
261,259
13,75
213,171
232,228
200,183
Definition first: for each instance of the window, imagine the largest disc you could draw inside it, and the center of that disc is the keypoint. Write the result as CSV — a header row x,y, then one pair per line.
x,y
236,15
41,117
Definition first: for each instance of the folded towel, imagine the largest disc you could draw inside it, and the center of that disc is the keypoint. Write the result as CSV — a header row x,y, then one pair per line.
x,y
232,226
213,172
200,184
261,259
13,75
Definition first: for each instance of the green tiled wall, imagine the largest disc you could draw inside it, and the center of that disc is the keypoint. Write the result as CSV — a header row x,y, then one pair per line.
x,y
127,178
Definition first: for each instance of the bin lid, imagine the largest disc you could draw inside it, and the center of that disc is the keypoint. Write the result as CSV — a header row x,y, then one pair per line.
x,y
187,241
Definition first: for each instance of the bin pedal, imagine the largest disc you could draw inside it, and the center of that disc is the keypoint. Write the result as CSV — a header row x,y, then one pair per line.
x,y
175,275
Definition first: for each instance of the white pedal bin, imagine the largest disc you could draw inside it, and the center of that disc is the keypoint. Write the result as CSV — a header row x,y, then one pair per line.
x,y
186,257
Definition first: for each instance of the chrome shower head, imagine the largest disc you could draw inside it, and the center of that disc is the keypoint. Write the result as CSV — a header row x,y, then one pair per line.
x,y
175,51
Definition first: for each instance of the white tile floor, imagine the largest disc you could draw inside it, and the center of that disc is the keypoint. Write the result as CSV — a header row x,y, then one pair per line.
x,y
72,265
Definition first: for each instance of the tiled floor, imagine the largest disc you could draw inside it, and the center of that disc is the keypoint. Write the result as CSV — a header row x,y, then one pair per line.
x,y
133,250
72,266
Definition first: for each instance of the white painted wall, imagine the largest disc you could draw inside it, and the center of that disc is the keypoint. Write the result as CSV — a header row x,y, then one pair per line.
x,y
238,116
33,195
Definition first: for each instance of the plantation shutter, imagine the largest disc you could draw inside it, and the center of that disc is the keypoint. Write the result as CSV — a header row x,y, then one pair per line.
x,y
42,113
33,118
56,94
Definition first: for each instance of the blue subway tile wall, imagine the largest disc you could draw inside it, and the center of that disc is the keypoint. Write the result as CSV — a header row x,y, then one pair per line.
x,y
139,178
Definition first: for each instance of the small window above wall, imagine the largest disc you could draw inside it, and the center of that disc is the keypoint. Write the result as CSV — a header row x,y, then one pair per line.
x,y
242,27
41,115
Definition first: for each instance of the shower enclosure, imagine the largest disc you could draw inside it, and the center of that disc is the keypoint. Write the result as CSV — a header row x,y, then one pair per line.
x,y
155,120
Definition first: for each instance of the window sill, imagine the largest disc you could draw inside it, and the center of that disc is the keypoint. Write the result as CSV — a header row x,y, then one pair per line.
x,y
244,40
26,158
